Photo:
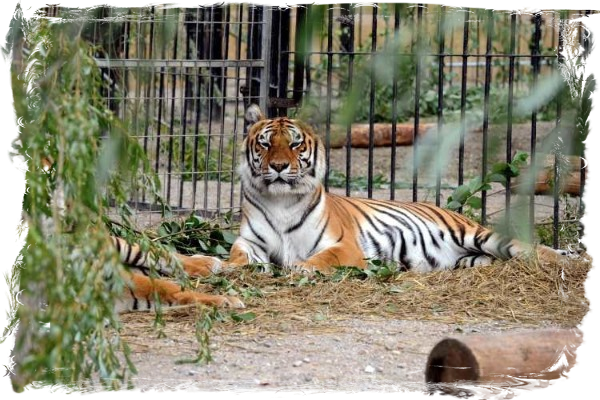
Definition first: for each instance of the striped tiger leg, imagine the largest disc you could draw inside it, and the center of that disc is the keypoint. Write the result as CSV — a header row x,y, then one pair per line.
x,y
325,261
143,290
201,265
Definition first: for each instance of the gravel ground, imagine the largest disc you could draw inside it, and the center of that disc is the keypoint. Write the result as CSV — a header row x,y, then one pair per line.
x,y
348,355
350,359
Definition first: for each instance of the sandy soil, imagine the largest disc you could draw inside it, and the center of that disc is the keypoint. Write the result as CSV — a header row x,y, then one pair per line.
x,y
336,354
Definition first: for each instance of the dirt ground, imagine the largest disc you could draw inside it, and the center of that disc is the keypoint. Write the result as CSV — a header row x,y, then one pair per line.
x,y
331,359
352,338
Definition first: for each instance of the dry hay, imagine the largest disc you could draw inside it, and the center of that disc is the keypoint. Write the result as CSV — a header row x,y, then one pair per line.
x,y
520,292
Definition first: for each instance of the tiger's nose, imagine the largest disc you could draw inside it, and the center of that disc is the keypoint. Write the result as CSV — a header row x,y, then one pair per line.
x,y
279,166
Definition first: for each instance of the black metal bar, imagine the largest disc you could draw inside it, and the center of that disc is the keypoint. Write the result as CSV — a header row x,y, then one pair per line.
x,y
556,205
172,122
486,105
350,49
417,97
149,88
509,107
209,113
372,104
396,45
197,115
463,100
238,56
284,58
161,93
223,80
299,55
329,94
276,59
585,72
536,69
440,105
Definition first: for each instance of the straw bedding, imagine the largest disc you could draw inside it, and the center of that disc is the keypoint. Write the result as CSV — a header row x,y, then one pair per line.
x,y
520,292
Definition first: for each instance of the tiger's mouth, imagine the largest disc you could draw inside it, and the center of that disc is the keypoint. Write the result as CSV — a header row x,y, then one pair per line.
x,y
290,181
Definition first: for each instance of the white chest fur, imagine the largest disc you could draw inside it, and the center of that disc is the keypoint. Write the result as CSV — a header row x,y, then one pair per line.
x,y
285,229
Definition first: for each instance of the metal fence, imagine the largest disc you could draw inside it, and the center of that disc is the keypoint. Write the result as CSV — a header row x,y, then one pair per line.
x,y
176,78
469,63
183,77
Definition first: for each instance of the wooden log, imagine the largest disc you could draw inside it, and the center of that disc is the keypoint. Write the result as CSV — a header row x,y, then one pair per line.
x,y
570,181
543,354
382,134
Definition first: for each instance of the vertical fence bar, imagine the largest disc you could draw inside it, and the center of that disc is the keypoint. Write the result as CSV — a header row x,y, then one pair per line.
x,y
463,99
440,104
372,104
486,110
509,106
266,48
586,61
172,72
396,49
350,50
555,208
197,109
329,94
419,66
536,68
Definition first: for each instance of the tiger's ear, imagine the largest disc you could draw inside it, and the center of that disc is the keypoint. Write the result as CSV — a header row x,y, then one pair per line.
x,y
253,115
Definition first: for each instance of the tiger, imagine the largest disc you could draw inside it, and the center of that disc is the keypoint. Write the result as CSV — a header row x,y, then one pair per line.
x,y
143,290
289,219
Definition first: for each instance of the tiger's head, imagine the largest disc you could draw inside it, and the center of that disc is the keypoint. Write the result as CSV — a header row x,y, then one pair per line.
x,y
281,155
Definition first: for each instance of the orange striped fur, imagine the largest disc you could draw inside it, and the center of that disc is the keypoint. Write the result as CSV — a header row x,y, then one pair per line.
x,y
289,220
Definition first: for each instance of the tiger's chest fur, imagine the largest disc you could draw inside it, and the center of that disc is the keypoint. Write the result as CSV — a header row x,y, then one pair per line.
x,y
285,229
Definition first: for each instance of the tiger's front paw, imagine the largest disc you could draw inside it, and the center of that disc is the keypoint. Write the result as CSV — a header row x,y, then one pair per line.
x,y
200,265
190,297
309,269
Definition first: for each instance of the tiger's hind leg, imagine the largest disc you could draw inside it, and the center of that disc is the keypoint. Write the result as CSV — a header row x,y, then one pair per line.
x,y
143,290
549,255
473,260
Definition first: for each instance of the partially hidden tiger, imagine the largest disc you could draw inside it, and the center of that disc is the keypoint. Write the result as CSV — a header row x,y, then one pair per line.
x,y
290,220
142,288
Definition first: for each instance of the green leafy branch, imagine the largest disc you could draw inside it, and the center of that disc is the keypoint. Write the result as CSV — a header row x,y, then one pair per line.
x,y
468,194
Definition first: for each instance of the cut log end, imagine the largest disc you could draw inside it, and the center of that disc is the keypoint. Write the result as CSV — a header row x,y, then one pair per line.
x,y
452,371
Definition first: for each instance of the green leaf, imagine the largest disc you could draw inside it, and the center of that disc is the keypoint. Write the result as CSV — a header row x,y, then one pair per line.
x,y
245,317
453,205
229,237
462,193
474,202
495,177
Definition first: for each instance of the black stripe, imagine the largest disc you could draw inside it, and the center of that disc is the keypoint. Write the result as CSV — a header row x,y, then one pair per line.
x,y
307,212
364,214
319,237
375,243
249,223
135,305
402,255
440,215
262,248
431,260
128,253
390,254
117,245
259,208
137,257
313,171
